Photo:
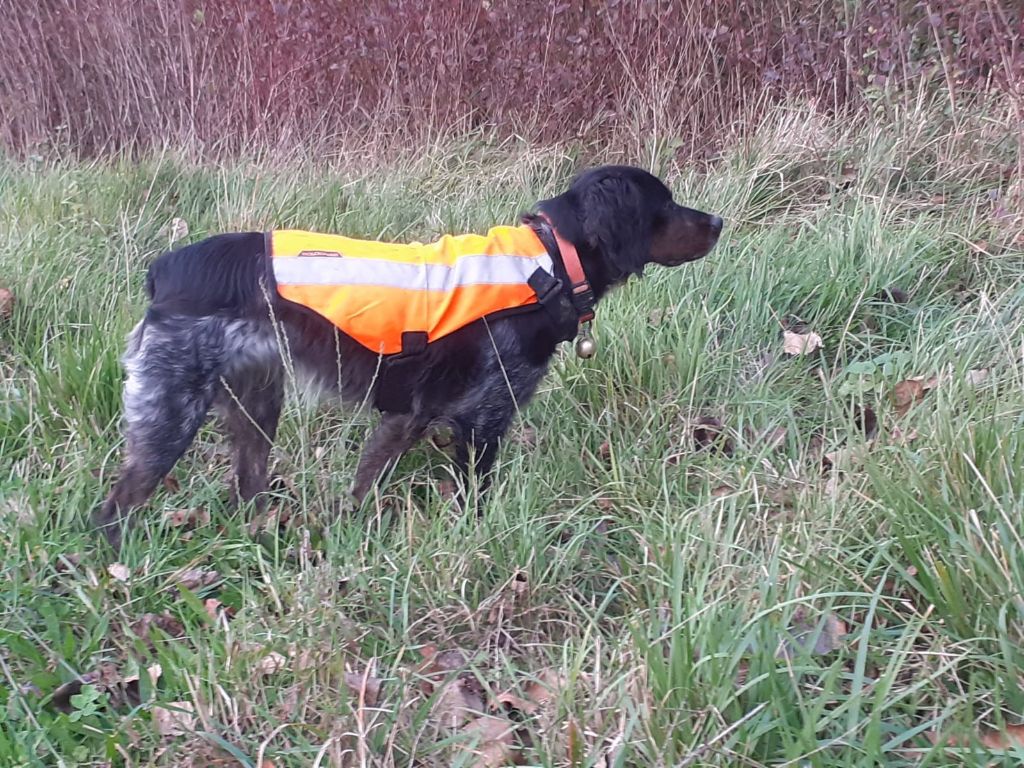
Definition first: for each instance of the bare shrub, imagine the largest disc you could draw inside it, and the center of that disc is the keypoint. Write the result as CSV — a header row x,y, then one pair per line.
x,y
672,76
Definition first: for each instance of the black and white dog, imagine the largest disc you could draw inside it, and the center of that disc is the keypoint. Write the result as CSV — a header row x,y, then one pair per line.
x,y
218,335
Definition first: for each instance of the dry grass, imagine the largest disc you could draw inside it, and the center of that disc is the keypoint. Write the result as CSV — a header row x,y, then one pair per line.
x,y
680,606
676,79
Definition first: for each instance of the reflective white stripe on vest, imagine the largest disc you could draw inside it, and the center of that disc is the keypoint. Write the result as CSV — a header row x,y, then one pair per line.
x,y
467,270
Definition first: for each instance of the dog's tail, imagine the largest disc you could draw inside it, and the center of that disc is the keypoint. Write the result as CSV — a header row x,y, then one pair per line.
x,y
221,274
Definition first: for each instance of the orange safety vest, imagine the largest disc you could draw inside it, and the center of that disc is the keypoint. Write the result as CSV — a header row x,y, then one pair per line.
x,y
375,292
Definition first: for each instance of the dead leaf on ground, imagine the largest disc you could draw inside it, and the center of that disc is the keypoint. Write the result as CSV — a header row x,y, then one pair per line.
x,y
800,343
526,436
176,229
510,596
784,496
866,420
493,741
893,294
272,663
548,685
977,376
1010,738
439,663
67,562
119,571
899,436
6,303
447,489
845,458
818,637
658,315
721,491
215,609
103,675
457,702
154,671
906,394
18,507
710,434
187,518
540,692
171,484
165,622
366,687
195,578
774,438
174,718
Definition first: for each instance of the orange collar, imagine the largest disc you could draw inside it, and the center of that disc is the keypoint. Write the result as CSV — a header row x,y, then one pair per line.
x,y
582,294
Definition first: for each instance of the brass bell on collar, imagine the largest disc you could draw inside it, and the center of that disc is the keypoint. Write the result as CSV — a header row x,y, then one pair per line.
x,y
586,347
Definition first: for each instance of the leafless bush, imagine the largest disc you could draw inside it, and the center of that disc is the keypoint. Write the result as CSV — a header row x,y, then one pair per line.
x,y
98,75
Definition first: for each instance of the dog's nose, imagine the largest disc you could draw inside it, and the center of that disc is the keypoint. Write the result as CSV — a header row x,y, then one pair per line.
x,y
716,223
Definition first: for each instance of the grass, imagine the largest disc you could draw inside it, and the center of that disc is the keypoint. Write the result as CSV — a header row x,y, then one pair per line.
x,y
654,583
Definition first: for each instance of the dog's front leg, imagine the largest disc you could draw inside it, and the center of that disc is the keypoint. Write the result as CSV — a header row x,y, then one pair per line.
x,y
395,435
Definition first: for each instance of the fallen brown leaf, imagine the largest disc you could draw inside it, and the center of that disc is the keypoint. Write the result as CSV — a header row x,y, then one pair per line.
x,y
215,608
103,675
439,663
546,688
805,634
526,436
171,484
893,294
457,702
176,229
1010,738
119,572
194,578
187,518
977,376
174,718
710,434
866,420
900,436
67,562
774,438
846,458
6,303
154,671
493,741
365,686
906,394
800,343
272,663
537,694
165,622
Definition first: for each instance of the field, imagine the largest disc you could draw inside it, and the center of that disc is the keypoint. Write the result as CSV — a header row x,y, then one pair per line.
x,y
701,550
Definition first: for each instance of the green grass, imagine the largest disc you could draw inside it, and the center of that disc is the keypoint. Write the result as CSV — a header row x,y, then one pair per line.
x,y
657,581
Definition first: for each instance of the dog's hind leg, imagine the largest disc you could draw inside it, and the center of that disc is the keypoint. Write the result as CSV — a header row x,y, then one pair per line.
x,y
395,435
170,387
249,405
476,452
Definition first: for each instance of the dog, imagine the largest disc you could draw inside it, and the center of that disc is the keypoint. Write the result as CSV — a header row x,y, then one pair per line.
x,y
220,335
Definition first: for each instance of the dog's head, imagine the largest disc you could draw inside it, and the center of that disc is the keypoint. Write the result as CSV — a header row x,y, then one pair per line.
x,y
629,216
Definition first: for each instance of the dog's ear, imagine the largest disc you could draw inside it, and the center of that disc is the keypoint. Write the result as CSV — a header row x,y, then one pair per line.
x,y
617,221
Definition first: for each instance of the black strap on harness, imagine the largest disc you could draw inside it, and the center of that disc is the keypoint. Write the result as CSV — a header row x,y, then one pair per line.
x,y
397,377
